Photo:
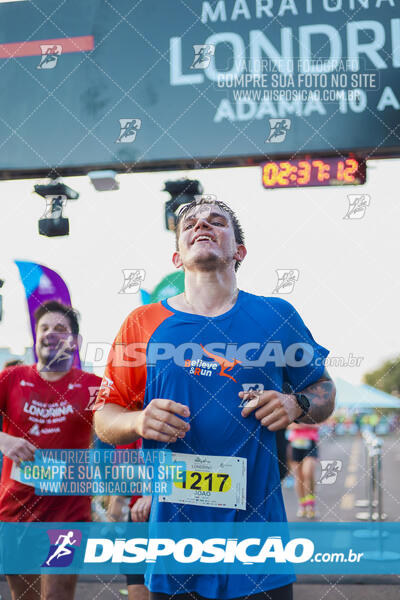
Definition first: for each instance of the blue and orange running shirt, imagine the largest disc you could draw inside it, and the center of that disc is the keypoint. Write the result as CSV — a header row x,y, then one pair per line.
x,y
204,362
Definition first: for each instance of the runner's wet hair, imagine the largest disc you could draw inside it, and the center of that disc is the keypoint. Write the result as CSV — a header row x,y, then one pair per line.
x,y
55,306
187,208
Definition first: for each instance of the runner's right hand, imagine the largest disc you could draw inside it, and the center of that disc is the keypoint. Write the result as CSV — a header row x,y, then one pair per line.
x,y
141,509
158,421
16,448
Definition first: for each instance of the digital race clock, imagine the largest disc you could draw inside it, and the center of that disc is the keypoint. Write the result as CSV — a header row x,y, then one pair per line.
x,y
313,172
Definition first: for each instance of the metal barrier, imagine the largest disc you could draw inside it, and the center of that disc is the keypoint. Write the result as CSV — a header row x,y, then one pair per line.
x,y
374,502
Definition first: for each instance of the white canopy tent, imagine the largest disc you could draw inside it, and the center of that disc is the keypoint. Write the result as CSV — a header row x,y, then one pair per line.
x,y
358,398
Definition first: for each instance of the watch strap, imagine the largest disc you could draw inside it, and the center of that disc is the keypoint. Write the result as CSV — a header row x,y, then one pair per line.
x,y
304,404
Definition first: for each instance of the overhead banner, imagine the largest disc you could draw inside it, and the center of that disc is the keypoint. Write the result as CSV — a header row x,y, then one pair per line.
x,y
155,85
42,284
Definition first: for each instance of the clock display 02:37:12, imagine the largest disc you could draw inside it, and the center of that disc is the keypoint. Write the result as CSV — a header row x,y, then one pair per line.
x,y
313,172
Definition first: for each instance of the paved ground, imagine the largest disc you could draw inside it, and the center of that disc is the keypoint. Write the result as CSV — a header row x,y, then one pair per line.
x,y
337,502
305,590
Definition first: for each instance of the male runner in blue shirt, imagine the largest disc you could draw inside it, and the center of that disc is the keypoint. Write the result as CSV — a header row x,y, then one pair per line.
x,y
184,370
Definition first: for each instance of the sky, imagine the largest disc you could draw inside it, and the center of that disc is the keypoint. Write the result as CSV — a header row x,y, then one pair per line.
x,y
348,287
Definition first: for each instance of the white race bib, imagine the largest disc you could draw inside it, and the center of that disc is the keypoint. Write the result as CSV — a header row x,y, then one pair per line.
x,y
217,481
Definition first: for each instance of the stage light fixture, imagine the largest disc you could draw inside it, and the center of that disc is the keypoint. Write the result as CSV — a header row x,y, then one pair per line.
x,y
56,188
104,181
182,191
56,194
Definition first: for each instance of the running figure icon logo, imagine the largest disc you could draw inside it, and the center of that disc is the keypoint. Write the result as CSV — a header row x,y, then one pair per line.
x,y
286,280
128,129
132,280
278,130
93,392
54,207
251,399
205,197
63,352
330,469
50,54
202,55
357,206
62,547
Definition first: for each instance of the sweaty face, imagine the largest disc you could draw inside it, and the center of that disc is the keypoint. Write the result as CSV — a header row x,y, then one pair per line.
x,y
207,239
55,343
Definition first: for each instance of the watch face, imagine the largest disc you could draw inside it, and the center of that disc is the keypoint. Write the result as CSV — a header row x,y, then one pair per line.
x,y
303,401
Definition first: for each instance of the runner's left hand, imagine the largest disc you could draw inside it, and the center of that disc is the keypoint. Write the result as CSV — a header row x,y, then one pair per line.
x,y
273,409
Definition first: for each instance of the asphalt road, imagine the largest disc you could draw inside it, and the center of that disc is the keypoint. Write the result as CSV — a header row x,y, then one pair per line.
x,y
338,501
365,588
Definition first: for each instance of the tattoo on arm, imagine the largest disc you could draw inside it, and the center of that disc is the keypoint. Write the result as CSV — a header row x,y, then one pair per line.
x,y
321,394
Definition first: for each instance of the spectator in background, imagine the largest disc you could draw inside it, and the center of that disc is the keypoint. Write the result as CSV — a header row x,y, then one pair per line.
x,y
45,405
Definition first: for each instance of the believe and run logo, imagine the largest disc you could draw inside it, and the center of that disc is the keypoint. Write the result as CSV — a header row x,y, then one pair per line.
x,y
201,367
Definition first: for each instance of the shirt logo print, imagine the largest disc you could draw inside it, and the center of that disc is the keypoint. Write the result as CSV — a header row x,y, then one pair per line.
x,y
225,364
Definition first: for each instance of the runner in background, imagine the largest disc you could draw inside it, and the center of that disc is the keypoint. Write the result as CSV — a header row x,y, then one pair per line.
x,y
138,512
45,405
281,448
303,440
10,363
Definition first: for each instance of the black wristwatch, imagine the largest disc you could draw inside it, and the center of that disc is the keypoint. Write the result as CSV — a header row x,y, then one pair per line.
x,y
304,404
